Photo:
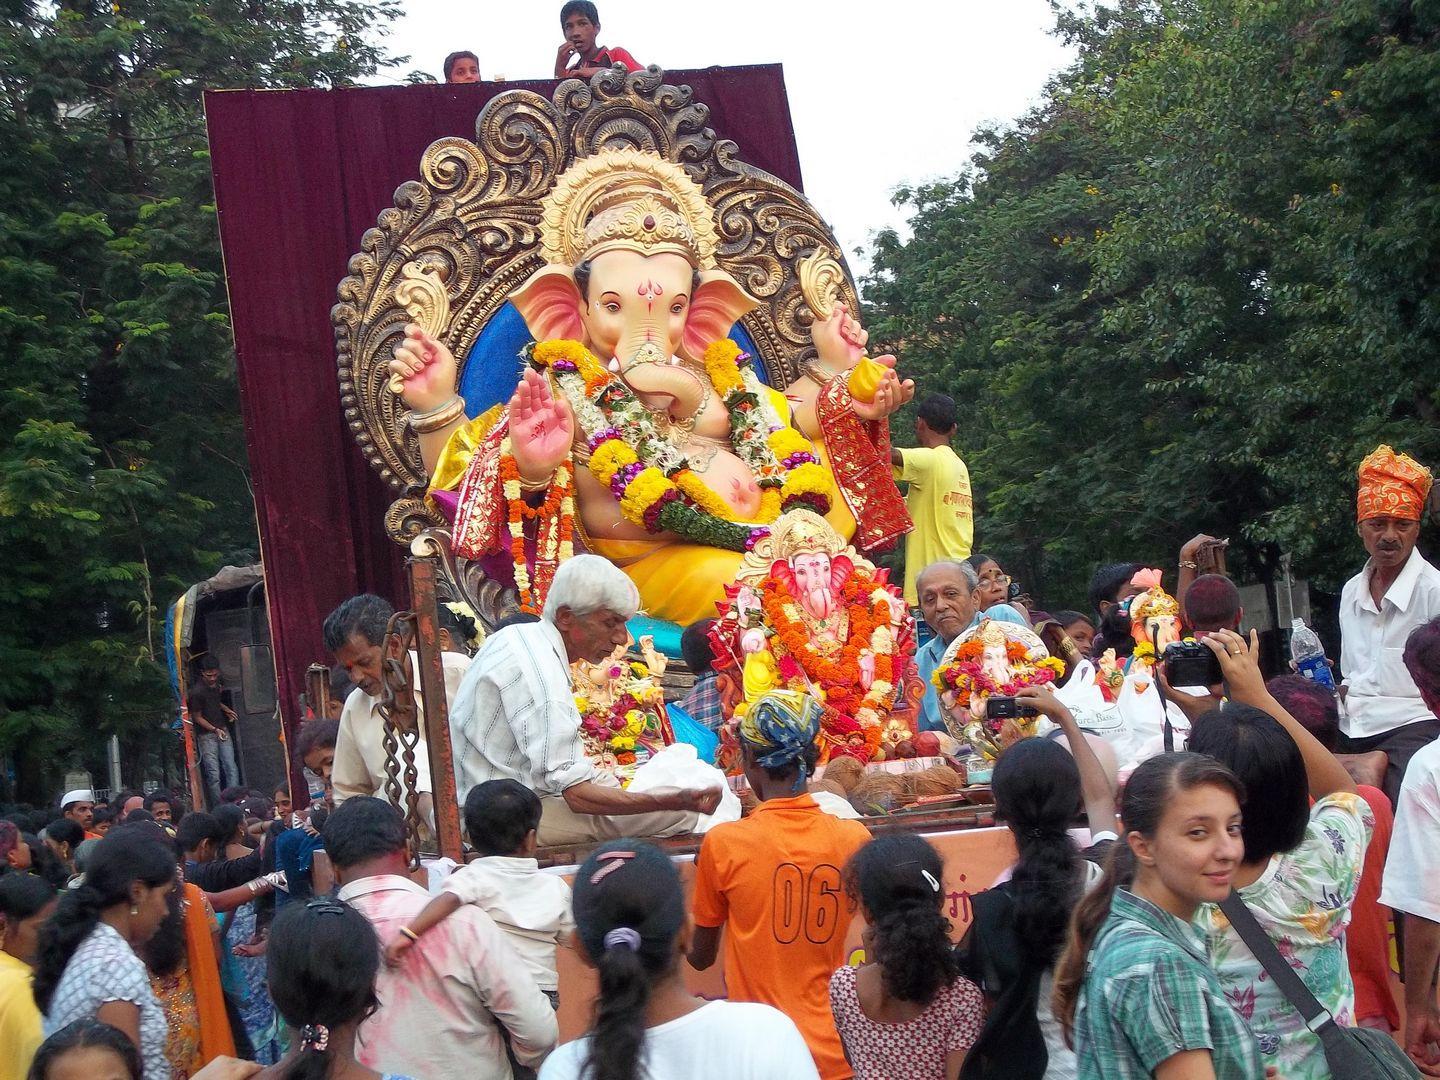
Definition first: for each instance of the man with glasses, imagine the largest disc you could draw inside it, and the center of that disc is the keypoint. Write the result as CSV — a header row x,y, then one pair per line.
x,y
1396,591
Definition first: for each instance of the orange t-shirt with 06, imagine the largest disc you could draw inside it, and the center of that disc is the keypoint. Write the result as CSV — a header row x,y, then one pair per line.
x,y
774,882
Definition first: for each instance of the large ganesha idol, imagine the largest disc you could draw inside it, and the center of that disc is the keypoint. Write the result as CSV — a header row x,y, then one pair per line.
x,y
994,659
639,430
808,614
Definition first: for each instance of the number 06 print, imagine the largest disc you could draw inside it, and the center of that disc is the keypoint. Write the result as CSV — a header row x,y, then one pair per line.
x,y
805,901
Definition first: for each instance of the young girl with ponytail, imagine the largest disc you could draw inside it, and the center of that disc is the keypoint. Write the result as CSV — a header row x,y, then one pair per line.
x,y
1017,928
88,965
1134,991
907,1013
324,957
631,926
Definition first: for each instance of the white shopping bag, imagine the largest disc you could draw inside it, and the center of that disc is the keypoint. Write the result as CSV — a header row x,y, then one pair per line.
x,y
679,768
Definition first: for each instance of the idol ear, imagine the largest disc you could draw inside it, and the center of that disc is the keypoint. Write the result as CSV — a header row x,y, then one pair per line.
x,y
550,304
718,302
841,567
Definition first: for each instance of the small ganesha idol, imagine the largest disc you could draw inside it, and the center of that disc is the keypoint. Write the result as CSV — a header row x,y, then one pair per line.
x,y
994,659
622,709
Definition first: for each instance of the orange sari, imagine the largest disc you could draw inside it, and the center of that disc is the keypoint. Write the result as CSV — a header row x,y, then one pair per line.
x,y
215,1036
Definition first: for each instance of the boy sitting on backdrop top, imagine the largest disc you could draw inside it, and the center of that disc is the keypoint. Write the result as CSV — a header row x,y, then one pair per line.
x,y
581,24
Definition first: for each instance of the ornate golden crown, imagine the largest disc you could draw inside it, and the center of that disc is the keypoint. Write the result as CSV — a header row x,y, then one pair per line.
x,y
804,532
630,200
1152,604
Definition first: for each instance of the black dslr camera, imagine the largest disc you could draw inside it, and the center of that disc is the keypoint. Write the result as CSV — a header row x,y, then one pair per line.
x,y
1007,708
1189,663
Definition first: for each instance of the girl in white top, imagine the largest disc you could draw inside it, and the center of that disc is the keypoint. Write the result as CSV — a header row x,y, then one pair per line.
x,y
88,966
631,926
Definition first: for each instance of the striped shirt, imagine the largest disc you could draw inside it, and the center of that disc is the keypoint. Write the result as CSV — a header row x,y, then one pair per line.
x,y
1150,994
515,717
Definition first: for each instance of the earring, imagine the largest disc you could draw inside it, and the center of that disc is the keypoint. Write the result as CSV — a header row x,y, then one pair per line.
x,y
134,910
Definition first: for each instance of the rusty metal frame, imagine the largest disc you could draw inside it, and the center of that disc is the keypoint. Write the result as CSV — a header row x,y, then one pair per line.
x,y
417,630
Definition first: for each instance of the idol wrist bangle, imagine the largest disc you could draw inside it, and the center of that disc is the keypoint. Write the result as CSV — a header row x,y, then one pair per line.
x,y
536,485
422,423
411,934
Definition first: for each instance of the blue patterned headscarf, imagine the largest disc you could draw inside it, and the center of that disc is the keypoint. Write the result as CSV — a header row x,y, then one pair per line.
x,y
780,727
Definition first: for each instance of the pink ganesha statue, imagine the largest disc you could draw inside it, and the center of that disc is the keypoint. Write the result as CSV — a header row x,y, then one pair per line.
x,y
639,431
818,619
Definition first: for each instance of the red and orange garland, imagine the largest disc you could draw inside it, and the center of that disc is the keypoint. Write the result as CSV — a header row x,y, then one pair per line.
x,y
554,535
848,709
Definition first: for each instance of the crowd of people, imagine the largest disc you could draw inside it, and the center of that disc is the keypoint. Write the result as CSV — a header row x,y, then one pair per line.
x,y
1137,933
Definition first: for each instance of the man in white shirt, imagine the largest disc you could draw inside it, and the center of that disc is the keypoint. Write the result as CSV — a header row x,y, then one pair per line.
x,y
515,717
446,1007
1412,870
1397,591
355,634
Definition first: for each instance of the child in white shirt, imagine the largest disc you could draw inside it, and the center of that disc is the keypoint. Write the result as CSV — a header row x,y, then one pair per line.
x,y
506,882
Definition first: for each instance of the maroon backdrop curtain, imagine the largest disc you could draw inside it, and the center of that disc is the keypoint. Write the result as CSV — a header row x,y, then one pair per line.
x,y
299,176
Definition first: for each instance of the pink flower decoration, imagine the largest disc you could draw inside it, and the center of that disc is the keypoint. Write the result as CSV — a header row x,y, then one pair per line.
x,y
1147,579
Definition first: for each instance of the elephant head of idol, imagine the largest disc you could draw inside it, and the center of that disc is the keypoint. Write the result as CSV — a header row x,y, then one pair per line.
x,y
629,242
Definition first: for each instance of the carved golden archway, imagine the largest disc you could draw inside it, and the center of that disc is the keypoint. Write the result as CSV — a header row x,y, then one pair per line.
x,y
461,238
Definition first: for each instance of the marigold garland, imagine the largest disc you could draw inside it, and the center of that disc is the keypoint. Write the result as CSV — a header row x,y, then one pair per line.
x,y
653,482
554,538
965,675
836,676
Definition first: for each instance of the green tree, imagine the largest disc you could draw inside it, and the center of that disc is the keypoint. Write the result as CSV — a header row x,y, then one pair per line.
x,y
122,465
1190,289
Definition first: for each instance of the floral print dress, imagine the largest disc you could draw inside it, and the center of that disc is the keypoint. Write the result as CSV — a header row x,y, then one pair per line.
x,y
1303,901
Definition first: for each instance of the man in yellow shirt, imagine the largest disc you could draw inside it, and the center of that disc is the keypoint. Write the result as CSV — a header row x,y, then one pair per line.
x,y
939,495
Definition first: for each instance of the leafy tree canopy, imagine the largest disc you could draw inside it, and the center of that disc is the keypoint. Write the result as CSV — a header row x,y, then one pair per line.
x,y
123,477
1190,289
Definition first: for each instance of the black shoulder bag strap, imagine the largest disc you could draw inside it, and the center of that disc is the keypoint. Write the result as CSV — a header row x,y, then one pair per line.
x,y
1352,1053
1169,728
1280,972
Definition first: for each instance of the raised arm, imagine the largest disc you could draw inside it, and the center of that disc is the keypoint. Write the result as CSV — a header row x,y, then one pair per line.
x,y
1239,660
1095,786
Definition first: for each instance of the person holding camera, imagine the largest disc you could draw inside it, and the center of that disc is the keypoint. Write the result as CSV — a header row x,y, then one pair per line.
x,y
1189,673
1302,863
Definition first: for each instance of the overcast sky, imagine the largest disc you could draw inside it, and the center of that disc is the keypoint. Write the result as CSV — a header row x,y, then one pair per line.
x,y
882,94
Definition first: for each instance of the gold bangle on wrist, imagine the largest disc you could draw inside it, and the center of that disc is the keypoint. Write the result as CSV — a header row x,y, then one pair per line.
x,y
422,423
536,485
411,934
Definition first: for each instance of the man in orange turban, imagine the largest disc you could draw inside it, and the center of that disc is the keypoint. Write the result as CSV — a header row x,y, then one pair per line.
x,y
1397,591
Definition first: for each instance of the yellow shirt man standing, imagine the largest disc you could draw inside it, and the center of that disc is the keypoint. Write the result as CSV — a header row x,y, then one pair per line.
x,y
939,494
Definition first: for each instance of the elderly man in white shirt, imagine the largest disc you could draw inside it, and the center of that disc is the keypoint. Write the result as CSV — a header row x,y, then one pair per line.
x,y
1412,870
355,635
1397,591
515,717
447,1006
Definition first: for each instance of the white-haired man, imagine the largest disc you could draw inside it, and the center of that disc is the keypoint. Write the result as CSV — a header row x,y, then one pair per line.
x,y
949,597
515,717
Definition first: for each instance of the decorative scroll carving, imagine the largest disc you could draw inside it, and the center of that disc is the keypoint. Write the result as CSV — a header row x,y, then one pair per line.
x,y
463,236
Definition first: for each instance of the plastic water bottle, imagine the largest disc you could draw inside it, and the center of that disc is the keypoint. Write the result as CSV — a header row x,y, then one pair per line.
x,y
1309,655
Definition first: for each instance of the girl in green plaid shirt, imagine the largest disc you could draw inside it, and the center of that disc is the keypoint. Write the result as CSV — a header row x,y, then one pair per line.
x,y
1134,991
